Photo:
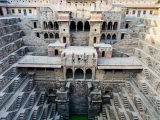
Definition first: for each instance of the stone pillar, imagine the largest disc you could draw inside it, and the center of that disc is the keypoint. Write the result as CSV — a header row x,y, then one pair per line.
x,y
76,27
93,73
64,73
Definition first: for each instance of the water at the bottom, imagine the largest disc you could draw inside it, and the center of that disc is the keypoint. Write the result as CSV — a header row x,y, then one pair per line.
x,y
78,117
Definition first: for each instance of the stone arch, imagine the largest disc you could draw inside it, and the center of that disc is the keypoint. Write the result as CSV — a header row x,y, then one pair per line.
x,y
45,36
64,39
56,36
45,25
108,37
50,25
87,26
103,37
72,26
51,35
56,27
114,37
115,26
88,74
79,74
94,40
104,26
110,26
103,53
69,73
80,26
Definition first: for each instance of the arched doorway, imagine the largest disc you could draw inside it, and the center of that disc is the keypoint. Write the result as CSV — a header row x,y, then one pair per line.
x,y
79,74
103,37
115,26
73,26
110,26
108,37
69,73
64,39
87,26
80,26
50,25
103,54
51,35
56,36
126,25
56,26
104,26
114,37
45,25
45,36
88,74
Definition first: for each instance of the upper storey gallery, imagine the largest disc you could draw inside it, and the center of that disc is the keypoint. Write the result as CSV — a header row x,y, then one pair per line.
x,y
87,5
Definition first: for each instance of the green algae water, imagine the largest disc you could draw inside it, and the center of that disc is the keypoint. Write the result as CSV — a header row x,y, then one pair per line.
x,y
78,117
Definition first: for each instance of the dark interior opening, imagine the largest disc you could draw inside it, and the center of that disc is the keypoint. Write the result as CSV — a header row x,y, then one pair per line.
x,y
80,26
122,36
126,25
35,25
51,91
38,35
108,71
108,37
45,35
56,36
86,26
50,25
69,73
94,39
56,52
40,69
104,26
64,39
49,69
73,26
1,12
103,54
31,69
115,26
103,37
114,37
45,25
51,35
118,71
79,74
56,26
110,26
88,74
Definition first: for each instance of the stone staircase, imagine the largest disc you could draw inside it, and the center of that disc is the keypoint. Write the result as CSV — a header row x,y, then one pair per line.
x,y
139,105
125,101
144,87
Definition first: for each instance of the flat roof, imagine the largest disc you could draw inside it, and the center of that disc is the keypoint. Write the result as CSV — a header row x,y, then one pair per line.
x,y
119,63
40,61
102,45
57,44
79,50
